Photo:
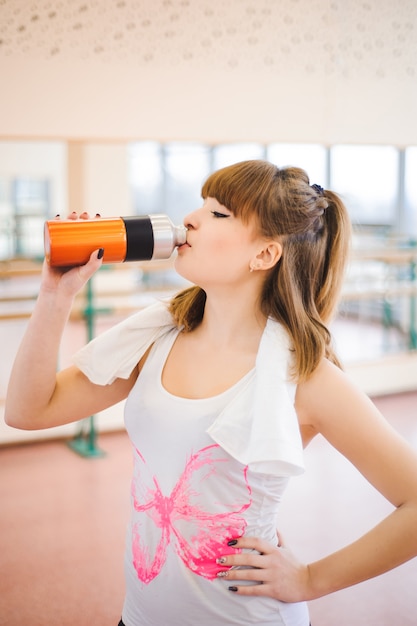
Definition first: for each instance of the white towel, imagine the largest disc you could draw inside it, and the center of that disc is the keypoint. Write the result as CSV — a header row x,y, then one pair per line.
x,y
259,427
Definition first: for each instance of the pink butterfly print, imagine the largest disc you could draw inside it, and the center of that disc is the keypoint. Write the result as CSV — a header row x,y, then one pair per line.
x,y
199,535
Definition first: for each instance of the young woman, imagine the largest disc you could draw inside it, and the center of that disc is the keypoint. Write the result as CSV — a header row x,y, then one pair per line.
x,y
225,384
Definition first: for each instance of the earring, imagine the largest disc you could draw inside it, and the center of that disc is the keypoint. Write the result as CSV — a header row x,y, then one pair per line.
x,y
254,266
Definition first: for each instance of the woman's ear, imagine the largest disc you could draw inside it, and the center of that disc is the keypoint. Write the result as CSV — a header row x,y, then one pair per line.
x,y
268,257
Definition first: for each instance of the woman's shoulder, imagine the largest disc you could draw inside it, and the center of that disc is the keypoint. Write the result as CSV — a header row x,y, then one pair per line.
x,y
324,393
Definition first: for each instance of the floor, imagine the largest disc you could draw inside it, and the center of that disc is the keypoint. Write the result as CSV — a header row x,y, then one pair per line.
x,y
63,517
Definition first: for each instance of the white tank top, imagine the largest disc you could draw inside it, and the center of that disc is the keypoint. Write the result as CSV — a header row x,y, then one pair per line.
x,y
189,497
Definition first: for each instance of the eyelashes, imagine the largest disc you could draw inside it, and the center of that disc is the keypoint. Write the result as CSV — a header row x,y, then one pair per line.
x,y
217,214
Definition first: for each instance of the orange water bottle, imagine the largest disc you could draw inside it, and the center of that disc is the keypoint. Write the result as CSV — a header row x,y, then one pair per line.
x,y
136,238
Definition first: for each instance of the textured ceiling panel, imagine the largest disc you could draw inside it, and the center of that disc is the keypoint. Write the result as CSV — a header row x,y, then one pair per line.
x,y
335,37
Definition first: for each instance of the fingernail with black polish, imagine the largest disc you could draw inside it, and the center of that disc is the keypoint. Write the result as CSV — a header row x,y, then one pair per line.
x,y
100,253
232,542
233,589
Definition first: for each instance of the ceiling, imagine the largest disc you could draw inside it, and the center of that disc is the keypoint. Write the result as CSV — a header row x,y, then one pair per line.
x,y
129,68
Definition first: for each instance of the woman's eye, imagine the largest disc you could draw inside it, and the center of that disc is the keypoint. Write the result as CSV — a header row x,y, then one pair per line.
x,y
217,214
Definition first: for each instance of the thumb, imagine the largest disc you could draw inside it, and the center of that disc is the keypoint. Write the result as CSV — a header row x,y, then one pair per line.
x,y
85,272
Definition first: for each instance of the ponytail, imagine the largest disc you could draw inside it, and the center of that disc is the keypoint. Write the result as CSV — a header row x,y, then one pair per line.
x,y
309,279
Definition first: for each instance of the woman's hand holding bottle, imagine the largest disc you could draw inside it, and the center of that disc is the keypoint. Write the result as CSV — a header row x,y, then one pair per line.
x,y
71,280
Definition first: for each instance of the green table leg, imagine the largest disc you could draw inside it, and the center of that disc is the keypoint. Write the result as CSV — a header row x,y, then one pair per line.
x,y
85,442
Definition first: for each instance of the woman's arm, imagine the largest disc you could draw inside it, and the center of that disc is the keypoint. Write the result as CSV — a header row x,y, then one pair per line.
x,y
352,424
37,396
330,404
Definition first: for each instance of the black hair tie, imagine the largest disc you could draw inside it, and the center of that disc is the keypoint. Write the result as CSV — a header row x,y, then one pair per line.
x,y
318,189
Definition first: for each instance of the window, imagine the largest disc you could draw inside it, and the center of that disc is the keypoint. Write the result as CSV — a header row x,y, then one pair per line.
x,y
310,157
410,193
366,177
25,205
33,188
186,166
229,153
167,178
146,177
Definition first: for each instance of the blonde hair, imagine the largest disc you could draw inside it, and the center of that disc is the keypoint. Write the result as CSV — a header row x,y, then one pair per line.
x,y
302,290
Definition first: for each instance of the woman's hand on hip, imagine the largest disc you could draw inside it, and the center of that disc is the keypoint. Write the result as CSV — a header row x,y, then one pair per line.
x,y
271,570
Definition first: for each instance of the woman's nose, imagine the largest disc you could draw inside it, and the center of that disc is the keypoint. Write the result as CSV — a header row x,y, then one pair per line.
x,y
190,220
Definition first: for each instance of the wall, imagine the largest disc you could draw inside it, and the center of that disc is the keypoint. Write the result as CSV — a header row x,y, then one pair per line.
x,y
101,71
288,70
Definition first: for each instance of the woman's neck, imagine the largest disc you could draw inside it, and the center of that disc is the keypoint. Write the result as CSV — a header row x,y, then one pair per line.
x,y
228,321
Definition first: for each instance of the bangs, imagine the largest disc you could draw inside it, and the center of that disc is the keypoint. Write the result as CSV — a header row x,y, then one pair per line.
x,y
242,188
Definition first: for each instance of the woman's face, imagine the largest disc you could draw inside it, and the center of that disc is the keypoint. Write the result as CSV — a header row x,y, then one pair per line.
x,y
219,248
